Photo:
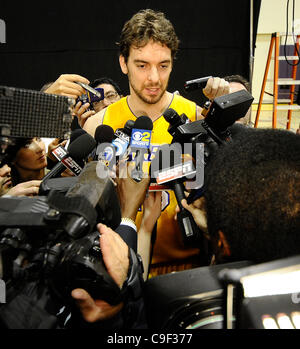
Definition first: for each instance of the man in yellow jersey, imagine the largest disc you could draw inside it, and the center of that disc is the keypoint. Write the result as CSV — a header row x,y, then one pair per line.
x,y
148,45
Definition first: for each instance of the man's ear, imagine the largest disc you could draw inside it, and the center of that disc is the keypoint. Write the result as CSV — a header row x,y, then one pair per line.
x,y
223,246
123,64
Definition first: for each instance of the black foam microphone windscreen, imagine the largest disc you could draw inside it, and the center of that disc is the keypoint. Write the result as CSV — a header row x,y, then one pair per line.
x,y
104,134
81,146
144,123
76,133
77,150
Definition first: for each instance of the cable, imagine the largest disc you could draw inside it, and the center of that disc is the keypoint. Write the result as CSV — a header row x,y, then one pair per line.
x,y
293,34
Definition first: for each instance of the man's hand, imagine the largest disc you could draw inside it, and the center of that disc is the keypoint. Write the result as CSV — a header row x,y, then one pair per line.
x,y
216,87
53,145
198,211
82,112
66,85
30,188
152,210
116,259
131,193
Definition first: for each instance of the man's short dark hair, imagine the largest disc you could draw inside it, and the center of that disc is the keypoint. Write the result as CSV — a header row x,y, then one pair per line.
x,y
253,194
240,79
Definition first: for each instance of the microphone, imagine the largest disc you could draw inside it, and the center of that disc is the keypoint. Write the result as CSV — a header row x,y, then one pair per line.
x,y
122,138
169,169
103,134
115,145
78,149
196,84
76,133
59,152
140,144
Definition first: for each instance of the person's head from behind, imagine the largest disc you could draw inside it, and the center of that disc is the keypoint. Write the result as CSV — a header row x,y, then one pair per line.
x,y
238,83
148,46
252,197
112,92
28,159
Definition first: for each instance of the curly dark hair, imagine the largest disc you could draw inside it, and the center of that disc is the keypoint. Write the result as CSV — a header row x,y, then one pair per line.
x,y
253,194
144,26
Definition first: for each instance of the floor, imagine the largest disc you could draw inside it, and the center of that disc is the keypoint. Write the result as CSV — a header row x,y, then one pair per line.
x,y
266,114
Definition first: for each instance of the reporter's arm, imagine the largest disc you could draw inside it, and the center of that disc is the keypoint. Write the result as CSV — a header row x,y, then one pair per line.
x,y
92,122
151,213
66,85
129,202
82,113
131,193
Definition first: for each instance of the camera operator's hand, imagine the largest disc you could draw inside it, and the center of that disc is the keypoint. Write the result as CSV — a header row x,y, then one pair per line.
x,y
116,259
216,87
82,113
66,85
30,188
131,193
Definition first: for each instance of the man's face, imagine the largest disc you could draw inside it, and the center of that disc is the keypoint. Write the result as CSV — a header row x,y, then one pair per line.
x,y
148,70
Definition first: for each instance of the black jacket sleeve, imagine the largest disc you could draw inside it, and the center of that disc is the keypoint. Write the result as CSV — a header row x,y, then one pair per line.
x,y
129,235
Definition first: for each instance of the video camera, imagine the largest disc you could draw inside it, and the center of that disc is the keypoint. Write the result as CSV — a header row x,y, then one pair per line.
x,y
55,235
38,235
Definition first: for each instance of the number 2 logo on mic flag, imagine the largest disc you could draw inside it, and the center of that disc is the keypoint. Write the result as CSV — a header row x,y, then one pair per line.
x,y
140,138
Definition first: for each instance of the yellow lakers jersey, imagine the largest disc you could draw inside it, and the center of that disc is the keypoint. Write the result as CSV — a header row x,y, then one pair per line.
x,y
168,245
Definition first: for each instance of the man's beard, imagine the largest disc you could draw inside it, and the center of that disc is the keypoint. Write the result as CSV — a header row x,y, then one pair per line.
x,y
148,100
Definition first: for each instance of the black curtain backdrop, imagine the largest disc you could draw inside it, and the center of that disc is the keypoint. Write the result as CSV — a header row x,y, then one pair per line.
x,y
47,39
